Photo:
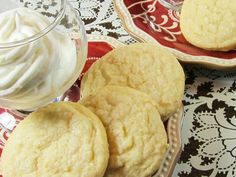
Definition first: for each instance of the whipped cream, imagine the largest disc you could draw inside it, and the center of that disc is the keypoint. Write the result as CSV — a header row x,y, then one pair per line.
x,y
38,69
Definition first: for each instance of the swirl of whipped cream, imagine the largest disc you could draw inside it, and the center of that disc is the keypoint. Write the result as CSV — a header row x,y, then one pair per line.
x,y
38,68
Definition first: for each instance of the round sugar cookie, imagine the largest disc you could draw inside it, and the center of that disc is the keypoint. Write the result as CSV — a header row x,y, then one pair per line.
x,y
142,66
209,24
61,139
136,134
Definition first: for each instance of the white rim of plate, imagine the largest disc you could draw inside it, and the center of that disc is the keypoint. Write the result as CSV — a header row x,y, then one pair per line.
x,y
211,62
111,41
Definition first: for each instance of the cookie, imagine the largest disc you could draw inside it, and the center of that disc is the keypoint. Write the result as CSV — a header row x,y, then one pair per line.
x,y
145,67
136,134
61,139
209,24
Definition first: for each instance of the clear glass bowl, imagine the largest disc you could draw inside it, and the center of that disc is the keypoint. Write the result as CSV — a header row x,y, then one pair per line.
x,y
42,52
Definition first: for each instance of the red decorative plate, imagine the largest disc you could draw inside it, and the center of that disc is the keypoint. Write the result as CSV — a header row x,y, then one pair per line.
x,y
99,46
149,21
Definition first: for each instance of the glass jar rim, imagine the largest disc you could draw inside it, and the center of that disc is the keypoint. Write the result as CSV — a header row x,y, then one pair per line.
x,y
40,33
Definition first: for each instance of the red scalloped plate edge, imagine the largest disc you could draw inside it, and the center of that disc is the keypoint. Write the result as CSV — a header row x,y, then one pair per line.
x,y
140,35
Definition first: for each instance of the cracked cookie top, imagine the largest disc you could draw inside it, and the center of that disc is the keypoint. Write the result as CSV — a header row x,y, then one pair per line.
x,y
136,134
61,139
142,66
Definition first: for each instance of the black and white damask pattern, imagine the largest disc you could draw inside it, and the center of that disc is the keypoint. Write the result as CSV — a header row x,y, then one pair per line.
x,y
209,125
100,18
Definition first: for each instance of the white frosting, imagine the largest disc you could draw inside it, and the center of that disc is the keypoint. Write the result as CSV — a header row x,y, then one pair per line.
x,y
50,59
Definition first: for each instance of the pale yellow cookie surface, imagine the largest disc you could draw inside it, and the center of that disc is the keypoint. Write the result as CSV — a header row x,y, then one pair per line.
x,y
209,24
60,140
145,67
136,134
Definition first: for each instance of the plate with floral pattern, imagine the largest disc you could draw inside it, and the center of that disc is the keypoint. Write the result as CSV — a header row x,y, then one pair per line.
x,y
150,21
97,47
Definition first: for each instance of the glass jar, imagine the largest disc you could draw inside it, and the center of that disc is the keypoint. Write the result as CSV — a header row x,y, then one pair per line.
x,y
43,49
